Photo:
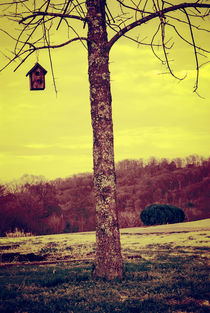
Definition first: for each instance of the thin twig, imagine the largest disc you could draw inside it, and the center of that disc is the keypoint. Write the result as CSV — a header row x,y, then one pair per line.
x,y
35,14
47,38
64,12
152,16
195,51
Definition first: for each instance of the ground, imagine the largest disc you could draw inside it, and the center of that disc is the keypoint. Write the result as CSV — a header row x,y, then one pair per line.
x,y
139,242
166,269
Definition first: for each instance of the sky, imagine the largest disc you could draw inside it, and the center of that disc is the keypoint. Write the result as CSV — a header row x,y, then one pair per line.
x,y
154,115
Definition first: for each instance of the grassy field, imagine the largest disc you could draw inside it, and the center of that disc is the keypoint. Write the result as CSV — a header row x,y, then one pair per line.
x,y
166,269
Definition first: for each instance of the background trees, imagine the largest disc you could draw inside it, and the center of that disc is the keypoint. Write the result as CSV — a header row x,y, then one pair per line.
x,y
32,208
67,205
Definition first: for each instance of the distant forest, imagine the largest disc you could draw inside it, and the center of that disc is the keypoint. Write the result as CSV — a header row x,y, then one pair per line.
x,y
67,205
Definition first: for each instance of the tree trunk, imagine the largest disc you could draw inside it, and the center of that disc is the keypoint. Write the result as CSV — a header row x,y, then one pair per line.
x,y
108,262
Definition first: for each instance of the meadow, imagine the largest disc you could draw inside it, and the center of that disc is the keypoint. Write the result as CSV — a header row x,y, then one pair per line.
x,y
166,269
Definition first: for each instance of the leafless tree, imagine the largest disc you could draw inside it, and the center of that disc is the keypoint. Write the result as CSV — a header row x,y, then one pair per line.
x,y
98,25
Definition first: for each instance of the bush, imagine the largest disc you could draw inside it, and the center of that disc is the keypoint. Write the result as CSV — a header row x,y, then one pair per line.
x,y
157,214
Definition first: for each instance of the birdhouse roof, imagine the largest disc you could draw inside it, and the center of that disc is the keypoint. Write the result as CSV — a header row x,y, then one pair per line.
x,y
37,65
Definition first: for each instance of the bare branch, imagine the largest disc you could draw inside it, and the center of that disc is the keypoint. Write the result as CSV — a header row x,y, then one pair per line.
x,y
135,8
163,29
195,51
133,13
27,40
33,49
186,23
47,39
79,5
187,41
61,15
152,45
81,40
64,12
165,53
112,18
14,2
139,42
151,16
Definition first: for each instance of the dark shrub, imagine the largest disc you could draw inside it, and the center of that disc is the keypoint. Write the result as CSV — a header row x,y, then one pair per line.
x,y
157,214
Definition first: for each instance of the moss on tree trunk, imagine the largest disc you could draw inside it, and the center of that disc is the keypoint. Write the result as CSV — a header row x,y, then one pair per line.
x,y
108,263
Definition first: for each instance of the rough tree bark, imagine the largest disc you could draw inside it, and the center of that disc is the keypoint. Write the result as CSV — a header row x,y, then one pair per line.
x,y
108,262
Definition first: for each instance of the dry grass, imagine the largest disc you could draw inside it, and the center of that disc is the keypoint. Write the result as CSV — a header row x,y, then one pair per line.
x,y
146,242
18,233
164,271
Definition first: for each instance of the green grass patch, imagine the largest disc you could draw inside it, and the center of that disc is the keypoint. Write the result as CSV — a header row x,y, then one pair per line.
x,y
164,284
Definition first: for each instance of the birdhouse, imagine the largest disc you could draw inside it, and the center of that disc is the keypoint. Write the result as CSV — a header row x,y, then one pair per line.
x,y
37,77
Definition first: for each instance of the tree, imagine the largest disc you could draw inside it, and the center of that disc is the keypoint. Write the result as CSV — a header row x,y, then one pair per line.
x,y
99,19
6,198
157,214
35,209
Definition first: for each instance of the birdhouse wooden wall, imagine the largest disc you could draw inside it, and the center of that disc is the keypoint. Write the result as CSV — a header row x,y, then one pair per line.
x,y
37,77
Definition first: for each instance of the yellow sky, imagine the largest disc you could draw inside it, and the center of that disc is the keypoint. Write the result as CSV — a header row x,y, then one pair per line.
x,y
153,114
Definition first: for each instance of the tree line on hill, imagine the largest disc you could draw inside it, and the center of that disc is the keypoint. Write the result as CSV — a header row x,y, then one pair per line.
x,y
67,205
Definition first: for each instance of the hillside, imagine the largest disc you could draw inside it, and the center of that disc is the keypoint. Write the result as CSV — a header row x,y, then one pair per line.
x,y
67,205
185,184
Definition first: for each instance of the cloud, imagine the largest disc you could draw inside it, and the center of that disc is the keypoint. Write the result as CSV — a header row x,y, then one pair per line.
x,y
68,145
51,166
160,142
